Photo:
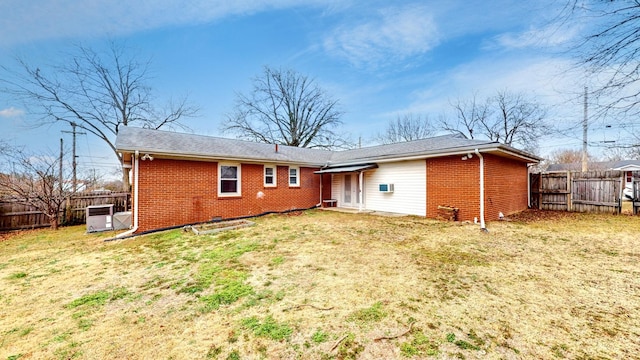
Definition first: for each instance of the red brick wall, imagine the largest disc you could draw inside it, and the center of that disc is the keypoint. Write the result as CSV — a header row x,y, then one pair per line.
x,y
506,191
177,192
454,182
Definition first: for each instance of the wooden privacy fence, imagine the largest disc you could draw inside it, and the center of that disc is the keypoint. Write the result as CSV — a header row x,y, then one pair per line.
x,y
16,215
592,191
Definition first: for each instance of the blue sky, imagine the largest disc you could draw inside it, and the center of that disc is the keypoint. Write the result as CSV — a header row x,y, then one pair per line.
x,y
380,59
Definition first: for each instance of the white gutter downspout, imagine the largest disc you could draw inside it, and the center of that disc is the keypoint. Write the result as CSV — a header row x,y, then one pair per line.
x,y
482,225
136,166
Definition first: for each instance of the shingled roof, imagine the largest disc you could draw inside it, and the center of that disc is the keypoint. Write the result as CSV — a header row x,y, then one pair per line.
x,y
596,165
200,146
175,144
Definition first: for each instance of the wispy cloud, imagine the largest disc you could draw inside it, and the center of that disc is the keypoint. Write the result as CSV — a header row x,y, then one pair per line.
x,y
26,21
542,78
549,36
393,35
11,112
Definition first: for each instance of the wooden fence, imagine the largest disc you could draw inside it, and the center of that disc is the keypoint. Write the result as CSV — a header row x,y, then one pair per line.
x,y
592,191
16,215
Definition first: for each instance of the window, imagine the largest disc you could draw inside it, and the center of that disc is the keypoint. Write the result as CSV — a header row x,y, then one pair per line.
x,y
269,176
229,180
294,178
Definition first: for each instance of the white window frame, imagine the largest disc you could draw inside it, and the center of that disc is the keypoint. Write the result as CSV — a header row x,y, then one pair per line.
x,y
238,179
274,175
297,169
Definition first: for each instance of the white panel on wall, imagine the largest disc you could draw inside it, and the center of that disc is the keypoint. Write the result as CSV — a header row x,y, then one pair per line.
x,y
336,188
410,187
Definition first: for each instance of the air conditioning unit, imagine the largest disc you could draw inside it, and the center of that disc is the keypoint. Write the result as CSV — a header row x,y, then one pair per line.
x,y
122,220
386,188
99,218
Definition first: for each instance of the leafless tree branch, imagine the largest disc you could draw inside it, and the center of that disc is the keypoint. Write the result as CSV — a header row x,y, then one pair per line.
x,y
408,127
33,180
469,115
288,108
99,92
508,118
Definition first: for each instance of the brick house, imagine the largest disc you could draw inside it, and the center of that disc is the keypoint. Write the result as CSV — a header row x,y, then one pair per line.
x,y
181,178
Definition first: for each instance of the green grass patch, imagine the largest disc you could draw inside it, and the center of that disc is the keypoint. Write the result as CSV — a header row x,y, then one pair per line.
x,y
228,293
213,352
98,298
420,345
319,336
71,351
219,265
277,260
26,331
264,297
350,348
465,345
268,328
408,350
90,300
85,324
230,251
368,315
558,350
18,275
234,355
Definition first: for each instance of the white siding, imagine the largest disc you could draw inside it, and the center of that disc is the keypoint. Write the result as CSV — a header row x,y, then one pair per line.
x,y
336,188
410,193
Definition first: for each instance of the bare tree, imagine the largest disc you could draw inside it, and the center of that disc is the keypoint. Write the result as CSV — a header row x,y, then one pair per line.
x,y
610,51
408,127
617,153
470,114
517,121
98,92
509,118
567,156
288,108
33,180
624,148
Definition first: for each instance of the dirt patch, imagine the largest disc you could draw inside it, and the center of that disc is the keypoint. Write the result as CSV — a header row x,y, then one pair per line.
x,y
6,235
535,215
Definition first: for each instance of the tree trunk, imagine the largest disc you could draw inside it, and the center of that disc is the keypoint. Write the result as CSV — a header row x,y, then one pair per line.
x,y
53,220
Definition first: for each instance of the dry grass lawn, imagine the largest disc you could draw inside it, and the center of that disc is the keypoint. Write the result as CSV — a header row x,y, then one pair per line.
x,y
325,285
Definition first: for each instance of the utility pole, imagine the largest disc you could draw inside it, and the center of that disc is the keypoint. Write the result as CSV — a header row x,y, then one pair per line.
x,y
584,133
73,155
60,179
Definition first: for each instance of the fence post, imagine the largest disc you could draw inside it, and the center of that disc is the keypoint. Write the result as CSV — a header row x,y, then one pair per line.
x,y
569,192
620,193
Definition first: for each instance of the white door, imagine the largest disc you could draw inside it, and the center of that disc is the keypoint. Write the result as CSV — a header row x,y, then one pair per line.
x,y
351,190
